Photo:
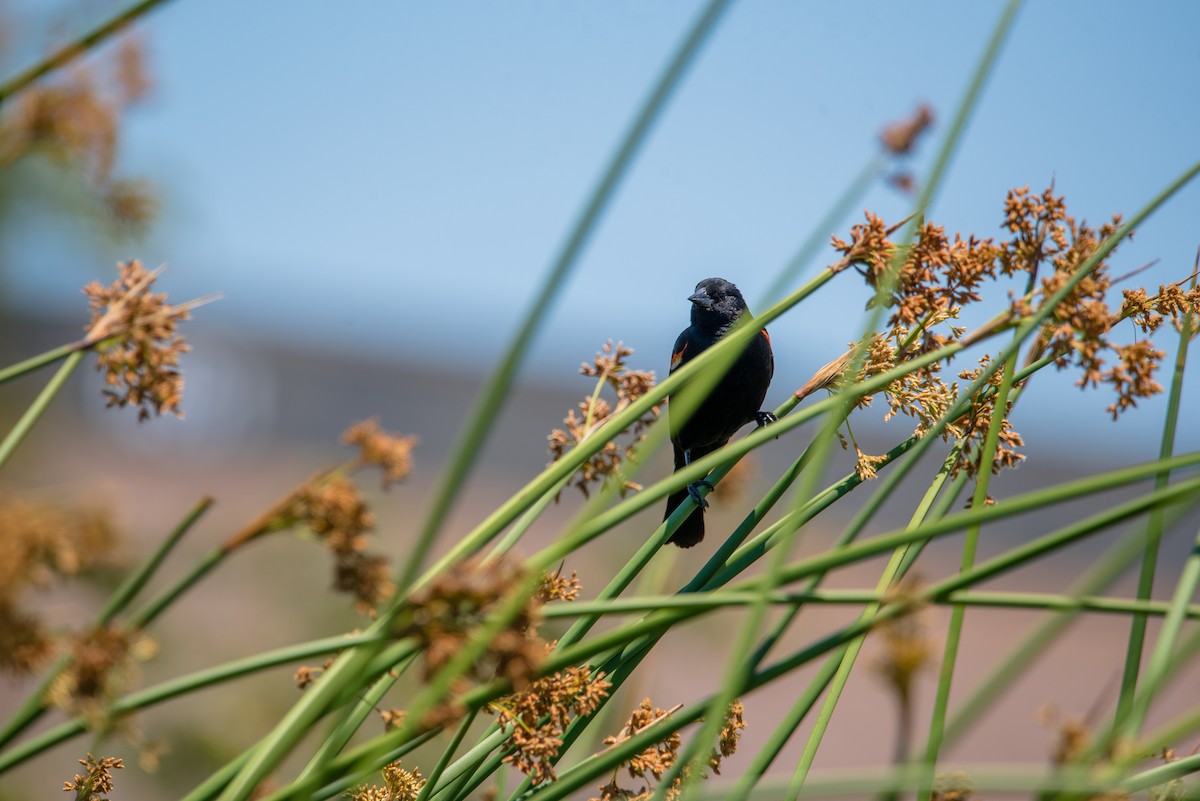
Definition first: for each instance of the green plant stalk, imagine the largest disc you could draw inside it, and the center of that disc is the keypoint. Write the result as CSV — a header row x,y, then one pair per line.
x,y
981,572
1046,602
1154,531
344,784
151,612
805,702
1100,575
696,585
447,754
985,779
36,409
34,705
1164,645
70,52
345,728
37,362
941,701
438,687
468,762
486,409
485,771
345,672
849,653
986,570
177,687
514,534
1032,549
519,529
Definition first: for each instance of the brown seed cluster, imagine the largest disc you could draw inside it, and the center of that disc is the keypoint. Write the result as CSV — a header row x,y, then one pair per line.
x,y
609,369
907,647
952,787
650,765
139,345
391,453
399,784
102,665
446,613
97,782
75,120
337,513
539,715
900,137
41,542
927,284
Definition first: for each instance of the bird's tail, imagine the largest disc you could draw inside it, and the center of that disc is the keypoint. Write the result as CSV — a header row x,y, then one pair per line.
x,y
691,530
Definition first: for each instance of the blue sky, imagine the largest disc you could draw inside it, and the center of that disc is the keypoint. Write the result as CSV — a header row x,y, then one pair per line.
x,y
355,175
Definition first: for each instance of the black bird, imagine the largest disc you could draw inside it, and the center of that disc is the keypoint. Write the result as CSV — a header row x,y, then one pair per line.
x,y
733,402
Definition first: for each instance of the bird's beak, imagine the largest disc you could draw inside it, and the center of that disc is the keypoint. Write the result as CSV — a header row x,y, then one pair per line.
x,y
702,299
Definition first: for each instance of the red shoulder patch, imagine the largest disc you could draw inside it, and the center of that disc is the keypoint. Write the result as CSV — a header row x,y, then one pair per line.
x,y
677,356
766,336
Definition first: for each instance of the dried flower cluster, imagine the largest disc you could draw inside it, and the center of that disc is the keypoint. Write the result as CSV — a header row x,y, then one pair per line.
x,y
139,345
102,666
952,787
74,119
900,137
444,615
335,511
927,284
608,368
97,782
389,452
907,648
539,715
974,426
399,784
41,541
650,765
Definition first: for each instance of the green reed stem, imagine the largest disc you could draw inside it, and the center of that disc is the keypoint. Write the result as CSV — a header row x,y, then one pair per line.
x,y
68,53
181,686
447,754
37,362
979,499
36,409
1154,530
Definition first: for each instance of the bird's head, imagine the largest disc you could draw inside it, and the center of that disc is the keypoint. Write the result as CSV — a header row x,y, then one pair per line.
x,y
716,303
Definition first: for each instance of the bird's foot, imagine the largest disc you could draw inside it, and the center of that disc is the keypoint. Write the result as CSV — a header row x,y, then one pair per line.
x,y
693,491
765,418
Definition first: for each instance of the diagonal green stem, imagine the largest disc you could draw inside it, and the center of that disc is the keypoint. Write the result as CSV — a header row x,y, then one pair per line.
x,y
1154,529
36,409
68,53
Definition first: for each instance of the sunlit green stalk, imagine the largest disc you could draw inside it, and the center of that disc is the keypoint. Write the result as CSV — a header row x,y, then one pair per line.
x,y
447,754
177,687
849,654
1154,529
36,409
37,362
983,476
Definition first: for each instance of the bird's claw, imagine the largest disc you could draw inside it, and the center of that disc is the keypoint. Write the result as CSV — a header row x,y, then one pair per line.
x,y
693,491
765,418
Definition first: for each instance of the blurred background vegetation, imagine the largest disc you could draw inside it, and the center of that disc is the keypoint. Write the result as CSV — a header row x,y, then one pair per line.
x,y
377,191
